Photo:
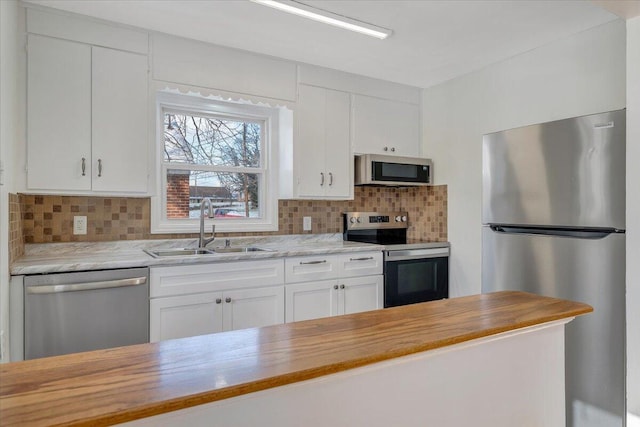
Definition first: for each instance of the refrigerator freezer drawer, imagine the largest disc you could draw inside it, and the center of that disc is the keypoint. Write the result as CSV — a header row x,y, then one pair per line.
x,y
585,270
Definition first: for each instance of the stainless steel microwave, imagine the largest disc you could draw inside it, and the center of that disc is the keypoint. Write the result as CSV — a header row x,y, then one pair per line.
x,y
374,169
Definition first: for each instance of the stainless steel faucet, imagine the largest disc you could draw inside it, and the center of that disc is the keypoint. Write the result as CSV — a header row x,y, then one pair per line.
x,y
202,241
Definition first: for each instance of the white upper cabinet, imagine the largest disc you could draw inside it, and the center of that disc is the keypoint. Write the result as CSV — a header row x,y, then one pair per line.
x,y
58,114
119,121
323,149
382,126
86,118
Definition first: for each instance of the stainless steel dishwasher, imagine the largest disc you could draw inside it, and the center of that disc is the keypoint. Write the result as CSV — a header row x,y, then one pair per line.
x,y
74,312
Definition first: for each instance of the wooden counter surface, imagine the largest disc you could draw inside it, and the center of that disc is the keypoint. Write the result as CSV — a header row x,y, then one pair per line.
x,y
116,385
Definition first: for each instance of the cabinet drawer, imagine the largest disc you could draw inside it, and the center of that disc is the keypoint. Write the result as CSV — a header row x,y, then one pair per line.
x,y
307,268
180,280
360,264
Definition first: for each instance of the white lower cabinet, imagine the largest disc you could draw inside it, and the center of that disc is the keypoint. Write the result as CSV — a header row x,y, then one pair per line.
x,y
357,287
361,294
211,312
253,308
208,298
185,316
313,300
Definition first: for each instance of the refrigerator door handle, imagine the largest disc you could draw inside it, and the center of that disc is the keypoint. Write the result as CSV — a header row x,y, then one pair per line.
x,y
576,233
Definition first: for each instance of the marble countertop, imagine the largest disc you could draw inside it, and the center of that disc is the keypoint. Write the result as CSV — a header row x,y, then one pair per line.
x,y
67,257
106,387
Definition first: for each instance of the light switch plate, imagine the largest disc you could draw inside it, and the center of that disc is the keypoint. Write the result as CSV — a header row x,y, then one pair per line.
x,y
306,223
79,225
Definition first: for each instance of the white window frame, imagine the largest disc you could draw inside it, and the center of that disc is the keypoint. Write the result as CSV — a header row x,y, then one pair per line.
x,y
268,183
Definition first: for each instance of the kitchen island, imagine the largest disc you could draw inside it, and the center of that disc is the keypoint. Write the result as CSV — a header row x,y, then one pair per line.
x,y
401,366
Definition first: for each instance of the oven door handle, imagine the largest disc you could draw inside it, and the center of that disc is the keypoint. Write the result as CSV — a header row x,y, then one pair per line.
x,y
416,254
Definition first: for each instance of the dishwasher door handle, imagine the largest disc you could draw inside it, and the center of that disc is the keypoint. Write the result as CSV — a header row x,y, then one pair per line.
x,y
90,286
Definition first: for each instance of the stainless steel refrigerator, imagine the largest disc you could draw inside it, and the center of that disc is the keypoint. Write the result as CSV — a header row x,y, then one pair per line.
x,y
553,213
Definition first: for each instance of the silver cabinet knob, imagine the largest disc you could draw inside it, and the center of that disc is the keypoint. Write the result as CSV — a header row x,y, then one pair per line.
x,y
393,148
342,286
335,286
386,148
227,300
218,300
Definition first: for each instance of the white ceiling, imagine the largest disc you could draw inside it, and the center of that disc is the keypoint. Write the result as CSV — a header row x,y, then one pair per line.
x,y
433,41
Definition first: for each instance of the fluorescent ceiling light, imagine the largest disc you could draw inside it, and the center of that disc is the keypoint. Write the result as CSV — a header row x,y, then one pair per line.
x,y
326,17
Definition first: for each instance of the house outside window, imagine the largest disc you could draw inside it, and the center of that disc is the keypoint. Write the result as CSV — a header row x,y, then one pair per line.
x,y
218,150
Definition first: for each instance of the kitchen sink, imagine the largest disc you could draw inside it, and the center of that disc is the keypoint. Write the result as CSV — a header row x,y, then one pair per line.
x,y
178,252
228,249
160,253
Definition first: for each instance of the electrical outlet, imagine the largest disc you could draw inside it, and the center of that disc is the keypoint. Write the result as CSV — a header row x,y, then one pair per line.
x,y
79,225
306,223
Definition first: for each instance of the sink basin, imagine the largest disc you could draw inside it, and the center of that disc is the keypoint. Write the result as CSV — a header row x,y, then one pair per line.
x,y
228,249
177,252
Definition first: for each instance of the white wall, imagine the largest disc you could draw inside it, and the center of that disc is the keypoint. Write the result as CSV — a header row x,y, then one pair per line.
x,y
8,134
633,222
582,74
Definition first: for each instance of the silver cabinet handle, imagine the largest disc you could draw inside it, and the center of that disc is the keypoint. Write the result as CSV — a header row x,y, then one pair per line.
x,y
99,167
361,259
313,262
393,148
84,166
342,286
227,299
335,286
321,178
54,289
330,179
218,300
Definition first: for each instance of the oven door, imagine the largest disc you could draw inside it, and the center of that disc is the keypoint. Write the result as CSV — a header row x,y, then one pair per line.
x,y
415,275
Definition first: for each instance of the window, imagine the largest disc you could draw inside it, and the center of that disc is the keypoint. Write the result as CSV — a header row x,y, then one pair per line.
x,y
218,150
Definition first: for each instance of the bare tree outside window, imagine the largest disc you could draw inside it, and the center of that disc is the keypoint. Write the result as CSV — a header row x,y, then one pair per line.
x,y
220,157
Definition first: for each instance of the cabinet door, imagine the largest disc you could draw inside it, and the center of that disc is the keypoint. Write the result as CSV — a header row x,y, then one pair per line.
x,y
338,158
119,118
252,308
310,146
304,301
360,294
382,126
185,316
58,114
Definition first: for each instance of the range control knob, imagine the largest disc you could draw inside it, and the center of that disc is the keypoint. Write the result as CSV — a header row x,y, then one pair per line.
x,y
404,218
398,218
354,219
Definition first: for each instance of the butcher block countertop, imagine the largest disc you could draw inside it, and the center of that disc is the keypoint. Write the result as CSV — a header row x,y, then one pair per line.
x,y
127,383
